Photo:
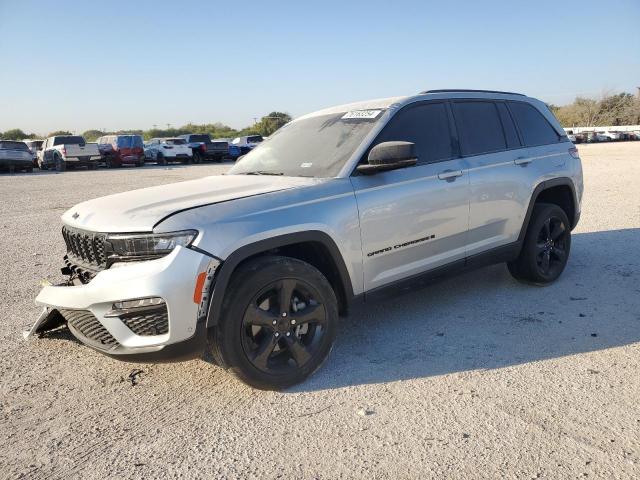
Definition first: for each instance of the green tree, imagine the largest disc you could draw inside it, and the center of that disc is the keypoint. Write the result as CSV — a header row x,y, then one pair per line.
x,y
270,123
16,134
92,135
59,132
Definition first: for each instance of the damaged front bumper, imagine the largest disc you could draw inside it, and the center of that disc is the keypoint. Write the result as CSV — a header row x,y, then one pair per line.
x,y
153,310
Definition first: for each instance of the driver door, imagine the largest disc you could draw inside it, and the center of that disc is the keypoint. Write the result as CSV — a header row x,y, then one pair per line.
x,y
415,219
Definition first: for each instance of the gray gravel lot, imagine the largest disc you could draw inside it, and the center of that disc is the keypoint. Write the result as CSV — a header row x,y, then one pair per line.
x,y
477,376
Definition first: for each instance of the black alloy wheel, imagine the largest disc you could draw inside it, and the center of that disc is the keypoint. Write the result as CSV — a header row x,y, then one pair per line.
x,y
283,326
546,246
551,247
278,322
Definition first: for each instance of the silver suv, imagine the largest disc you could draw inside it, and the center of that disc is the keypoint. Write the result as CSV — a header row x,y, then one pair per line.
x,y
338,206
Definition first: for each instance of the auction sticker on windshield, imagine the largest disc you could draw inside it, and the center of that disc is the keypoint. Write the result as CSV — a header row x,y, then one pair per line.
x,y
365,114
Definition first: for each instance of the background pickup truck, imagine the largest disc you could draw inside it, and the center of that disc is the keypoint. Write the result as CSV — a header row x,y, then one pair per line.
x,y
64,151
206,149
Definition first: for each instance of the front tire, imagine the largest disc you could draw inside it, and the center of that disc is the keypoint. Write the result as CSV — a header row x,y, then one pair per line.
x,y
546,246
161,159
278,323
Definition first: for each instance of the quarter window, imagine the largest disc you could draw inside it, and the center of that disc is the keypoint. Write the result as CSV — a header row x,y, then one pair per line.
x,y
479,127
427,126
535,129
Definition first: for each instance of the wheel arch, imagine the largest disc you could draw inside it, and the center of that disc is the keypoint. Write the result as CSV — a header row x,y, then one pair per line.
x,y
314,247
559,191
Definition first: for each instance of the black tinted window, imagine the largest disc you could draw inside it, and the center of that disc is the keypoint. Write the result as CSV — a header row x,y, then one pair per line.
x,y
13,146
427,126
479,127
70,140
509,128
535,129
200,138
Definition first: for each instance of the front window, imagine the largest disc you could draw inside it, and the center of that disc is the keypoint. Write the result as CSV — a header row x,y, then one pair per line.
x,y
317,146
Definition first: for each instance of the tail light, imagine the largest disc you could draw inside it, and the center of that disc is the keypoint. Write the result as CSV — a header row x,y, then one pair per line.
x,y
64,150
573,151
203,147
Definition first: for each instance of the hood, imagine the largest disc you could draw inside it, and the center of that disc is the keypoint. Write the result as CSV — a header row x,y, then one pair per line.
x,y
140,210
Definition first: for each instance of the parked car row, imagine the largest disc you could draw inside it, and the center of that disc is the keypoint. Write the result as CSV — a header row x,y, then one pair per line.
x,y
602,136
62,152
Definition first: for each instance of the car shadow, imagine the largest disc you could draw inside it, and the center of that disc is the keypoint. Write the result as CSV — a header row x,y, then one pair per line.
x,y
486,320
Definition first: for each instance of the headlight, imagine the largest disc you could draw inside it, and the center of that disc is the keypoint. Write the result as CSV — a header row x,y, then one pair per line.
x,y
123,247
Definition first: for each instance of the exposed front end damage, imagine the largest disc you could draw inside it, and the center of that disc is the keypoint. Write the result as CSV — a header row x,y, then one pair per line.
x,y
135,310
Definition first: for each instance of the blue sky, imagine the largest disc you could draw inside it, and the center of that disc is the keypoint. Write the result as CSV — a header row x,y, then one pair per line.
x,y
131,64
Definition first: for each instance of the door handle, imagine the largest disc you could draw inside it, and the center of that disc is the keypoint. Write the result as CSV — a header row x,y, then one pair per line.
x,y
449,174
523,160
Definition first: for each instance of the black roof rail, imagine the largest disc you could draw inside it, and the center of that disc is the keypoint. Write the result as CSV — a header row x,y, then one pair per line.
x,y
455,90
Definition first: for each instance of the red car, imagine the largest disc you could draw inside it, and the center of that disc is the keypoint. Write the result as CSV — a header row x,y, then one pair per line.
x,y
119,150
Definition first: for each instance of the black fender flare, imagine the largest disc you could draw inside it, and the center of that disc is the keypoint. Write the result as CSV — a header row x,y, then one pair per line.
x,y
228,266
544,185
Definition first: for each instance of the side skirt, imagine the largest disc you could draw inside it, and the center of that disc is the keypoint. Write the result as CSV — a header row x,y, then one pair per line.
x,y
502,254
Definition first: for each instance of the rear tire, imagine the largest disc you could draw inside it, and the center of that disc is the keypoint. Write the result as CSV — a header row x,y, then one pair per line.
x,y
197,157
60,164
278,323
161,159
546,246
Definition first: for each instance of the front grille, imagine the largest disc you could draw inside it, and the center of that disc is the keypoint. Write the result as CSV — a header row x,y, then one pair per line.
x,y
86,326
85,247
148,322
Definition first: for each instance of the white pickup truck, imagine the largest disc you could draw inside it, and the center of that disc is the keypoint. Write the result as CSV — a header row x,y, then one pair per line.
x,y
64,151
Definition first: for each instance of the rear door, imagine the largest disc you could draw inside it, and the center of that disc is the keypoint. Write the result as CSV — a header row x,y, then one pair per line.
x,y
414,219
498,189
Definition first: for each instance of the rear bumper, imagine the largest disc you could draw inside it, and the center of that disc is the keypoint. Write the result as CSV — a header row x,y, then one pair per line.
x,y
96,321
7,163
82,162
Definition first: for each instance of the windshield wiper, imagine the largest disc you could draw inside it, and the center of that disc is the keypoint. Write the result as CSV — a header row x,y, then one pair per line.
x,y
263,172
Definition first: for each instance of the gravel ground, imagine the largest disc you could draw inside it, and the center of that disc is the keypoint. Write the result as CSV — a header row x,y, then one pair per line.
x,y
478,376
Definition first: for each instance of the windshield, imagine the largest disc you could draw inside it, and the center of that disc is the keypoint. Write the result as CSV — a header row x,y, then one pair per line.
x,y
4,145
316,146
200,138
254,139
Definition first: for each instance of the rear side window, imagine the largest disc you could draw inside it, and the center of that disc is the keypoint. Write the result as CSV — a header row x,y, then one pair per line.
x,y
427,126
535,129
479,127
509,128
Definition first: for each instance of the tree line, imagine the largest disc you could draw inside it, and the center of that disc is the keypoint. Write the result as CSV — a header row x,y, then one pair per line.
x,y
614,109
617,109
265,127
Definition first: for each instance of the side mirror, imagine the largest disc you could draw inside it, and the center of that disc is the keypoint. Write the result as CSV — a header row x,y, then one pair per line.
x,y
389,156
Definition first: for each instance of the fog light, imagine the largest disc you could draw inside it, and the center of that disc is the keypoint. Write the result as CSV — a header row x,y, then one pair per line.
x,y
138,303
